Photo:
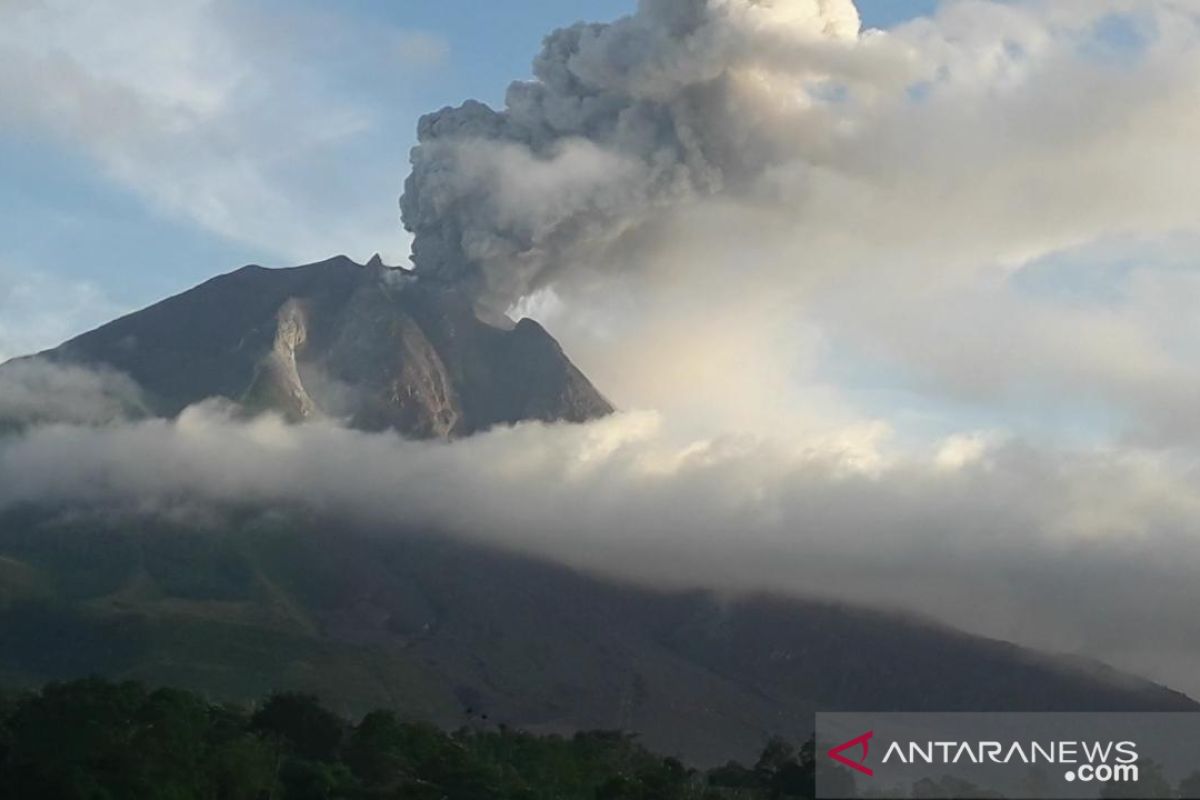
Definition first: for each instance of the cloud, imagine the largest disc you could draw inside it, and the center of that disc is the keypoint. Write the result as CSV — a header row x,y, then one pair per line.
x,y
37,392
760,190
1071,551
672,104
991,129
243,119
1098,334
38,310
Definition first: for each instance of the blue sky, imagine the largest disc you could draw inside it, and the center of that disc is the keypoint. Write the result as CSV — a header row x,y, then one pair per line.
x,y
82,240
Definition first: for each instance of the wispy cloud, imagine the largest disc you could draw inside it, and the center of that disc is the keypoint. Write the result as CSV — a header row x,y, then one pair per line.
x,y
234,117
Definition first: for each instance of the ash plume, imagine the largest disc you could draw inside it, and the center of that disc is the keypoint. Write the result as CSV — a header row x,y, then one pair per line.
x,y
622,123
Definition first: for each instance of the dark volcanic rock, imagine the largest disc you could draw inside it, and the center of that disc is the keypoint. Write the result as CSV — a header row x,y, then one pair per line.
x,y
369,345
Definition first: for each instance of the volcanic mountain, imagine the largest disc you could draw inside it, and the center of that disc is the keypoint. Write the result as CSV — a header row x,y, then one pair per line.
x,y
368,345
400,615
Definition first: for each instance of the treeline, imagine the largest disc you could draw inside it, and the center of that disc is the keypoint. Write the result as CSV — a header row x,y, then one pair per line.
x,y
97,740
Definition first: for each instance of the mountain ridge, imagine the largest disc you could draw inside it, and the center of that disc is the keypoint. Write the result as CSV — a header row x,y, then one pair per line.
x,y
366,344
461,633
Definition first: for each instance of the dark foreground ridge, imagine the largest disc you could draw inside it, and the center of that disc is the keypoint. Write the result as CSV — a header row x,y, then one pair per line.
x,y
453,632
97,739
369,345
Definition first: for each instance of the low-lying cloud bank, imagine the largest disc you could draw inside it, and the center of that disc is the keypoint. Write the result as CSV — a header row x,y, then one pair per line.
x,y
1084,552
35,391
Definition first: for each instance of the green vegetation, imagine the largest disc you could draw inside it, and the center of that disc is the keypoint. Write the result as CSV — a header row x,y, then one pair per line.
x,y
98,740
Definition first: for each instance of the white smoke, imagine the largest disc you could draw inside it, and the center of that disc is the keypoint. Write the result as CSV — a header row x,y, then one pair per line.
x,y
680,101
705,199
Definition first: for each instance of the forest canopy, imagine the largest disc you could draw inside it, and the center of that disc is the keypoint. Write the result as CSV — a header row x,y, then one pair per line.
x,y
96,739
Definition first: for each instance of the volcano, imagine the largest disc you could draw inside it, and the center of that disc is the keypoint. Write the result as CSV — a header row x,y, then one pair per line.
x,y
368,345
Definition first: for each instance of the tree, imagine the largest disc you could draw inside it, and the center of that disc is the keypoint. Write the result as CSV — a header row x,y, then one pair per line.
x,y
300,721
98,740
72,740
777,753
376,750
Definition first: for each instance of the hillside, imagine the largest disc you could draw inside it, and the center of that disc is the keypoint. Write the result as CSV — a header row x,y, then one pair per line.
x,y
458,634
367,345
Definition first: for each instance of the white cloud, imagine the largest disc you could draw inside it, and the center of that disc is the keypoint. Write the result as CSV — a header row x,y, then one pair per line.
x,y
896,222
1070,551
36,392
221,115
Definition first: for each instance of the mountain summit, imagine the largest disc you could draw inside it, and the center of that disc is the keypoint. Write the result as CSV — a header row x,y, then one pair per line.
x,y
369,345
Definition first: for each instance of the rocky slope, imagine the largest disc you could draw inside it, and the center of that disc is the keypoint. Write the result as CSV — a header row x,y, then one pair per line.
x,y
365,344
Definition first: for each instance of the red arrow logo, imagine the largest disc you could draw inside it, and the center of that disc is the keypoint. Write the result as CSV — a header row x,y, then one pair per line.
x,y
836,753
